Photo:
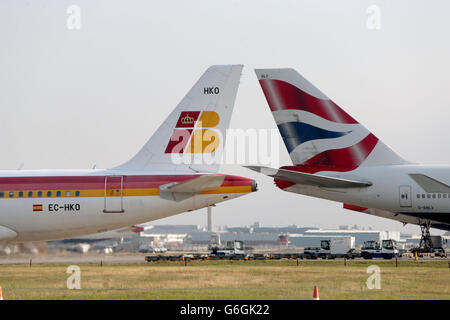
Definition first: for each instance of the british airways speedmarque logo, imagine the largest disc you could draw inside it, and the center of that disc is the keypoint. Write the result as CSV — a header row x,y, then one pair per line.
x,y
296,133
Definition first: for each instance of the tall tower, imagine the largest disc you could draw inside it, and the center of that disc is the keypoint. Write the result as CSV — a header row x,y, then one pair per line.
x,y
210,219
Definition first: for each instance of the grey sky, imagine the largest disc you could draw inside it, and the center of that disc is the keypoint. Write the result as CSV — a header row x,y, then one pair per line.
x,y
75,98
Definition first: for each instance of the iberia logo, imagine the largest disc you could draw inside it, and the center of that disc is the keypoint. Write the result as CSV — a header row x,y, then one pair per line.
x,y
193,133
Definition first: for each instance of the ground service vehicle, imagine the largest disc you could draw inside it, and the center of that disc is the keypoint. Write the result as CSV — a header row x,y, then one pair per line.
x,y
388,249
232,248
338,247
435,245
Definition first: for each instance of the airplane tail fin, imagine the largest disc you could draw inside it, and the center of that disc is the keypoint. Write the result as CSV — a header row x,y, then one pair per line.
x,y
317,133
197,126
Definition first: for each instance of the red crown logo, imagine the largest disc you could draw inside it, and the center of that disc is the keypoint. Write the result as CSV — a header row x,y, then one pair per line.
x,y
187,120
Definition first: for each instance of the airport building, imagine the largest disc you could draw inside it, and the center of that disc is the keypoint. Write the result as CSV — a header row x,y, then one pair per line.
x,y
194,237
172,235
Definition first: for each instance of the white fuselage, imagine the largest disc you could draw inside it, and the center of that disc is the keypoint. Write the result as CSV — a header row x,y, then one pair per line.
x,y
46,205
393,194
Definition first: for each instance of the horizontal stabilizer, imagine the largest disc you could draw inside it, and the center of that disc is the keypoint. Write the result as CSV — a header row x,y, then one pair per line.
x,y
180,191
309,179
430,185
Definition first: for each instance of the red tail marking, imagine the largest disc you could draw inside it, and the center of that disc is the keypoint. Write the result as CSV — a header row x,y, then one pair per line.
x,y
338,160
138,229
282,95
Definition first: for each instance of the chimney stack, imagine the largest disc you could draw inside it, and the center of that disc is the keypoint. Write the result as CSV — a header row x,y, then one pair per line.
x,y
210,219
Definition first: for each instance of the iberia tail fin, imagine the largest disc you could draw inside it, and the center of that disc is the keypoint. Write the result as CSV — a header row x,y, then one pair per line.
x,y
197,126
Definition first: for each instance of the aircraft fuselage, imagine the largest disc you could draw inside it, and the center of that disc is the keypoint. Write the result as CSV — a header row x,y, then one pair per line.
x,y
43,205
393,193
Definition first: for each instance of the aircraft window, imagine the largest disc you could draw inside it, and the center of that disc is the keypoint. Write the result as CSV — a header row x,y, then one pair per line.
x,y
67,193
11,194
423,195
20,194
39,194
434,196
428,196
49,193
418,196
58,193
2,194
444,195
30,194
77,193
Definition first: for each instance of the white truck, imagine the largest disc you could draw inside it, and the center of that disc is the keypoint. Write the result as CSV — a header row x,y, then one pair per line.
x,y
387,249
232,248
336,247
439,246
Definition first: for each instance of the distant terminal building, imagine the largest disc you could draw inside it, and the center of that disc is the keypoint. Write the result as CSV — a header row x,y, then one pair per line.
x,y
174,235
200,238
256,235
267,230
170,235
168,228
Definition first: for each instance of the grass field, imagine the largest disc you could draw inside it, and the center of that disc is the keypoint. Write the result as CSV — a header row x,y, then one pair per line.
x,y
230,280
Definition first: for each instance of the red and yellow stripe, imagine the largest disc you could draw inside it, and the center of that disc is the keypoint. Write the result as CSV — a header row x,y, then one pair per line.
x,y
94,186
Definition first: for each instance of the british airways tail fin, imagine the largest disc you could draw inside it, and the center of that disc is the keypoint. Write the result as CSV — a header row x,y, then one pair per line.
x,y
196,127
317,132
